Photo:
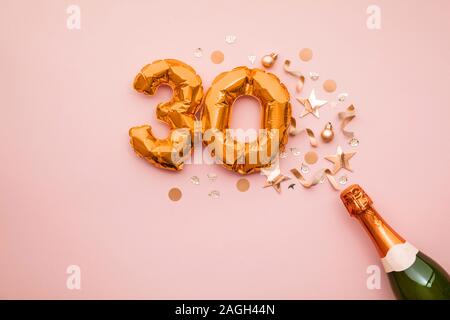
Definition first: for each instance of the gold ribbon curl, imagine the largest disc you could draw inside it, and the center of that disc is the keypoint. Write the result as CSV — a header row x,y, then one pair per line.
x,y
293,131
316,178
296,73
345,117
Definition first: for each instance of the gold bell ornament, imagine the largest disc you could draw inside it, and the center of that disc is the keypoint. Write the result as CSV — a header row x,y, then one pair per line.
x,y
327,133
269,59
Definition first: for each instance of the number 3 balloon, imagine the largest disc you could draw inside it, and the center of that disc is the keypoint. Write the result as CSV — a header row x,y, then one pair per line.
x,y
179,113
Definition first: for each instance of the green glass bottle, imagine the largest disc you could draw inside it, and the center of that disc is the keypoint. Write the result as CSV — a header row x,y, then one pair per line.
x,y
412,275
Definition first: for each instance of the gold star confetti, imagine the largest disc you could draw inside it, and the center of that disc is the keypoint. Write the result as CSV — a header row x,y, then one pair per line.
x,y
311,104
273,171
274,176
275,183
340,160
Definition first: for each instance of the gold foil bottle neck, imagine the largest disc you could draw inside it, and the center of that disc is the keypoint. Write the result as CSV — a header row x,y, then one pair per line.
x,y
356,200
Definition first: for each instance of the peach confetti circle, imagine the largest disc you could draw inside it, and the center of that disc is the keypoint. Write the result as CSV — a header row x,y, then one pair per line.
x,y
243,185
311,157
306,54
329,85
175,194
217,57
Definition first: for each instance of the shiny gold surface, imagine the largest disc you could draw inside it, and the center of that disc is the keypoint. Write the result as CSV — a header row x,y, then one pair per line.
x,y
327,133
178,113
268,60
355,200
246,157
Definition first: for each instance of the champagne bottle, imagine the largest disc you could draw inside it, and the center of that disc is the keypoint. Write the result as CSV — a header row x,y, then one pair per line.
x,y
412,274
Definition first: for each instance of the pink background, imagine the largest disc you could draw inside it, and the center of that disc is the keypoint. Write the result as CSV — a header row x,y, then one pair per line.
x,y
73,192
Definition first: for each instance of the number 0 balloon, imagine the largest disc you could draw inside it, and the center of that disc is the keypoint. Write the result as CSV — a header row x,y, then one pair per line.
x,y
247,157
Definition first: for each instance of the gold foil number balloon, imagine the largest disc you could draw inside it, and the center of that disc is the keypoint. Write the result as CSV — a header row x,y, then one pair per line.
x,y
246,157
178,113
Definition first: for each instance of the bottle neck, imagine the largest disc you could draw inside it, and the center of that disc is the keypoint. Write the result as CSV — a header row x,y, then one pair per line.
x,y
383,236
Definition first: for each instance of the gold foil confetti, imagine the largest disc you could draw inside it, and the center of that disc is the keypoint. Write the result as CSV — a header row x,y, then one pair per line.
x,y
217,57
311,157
175,194
316,179
329,85
345,117
306,54
243,185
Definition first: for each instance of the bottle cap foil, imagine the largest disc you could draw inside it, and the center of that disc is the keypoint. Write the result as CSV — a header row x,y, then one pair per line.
x,y
355,200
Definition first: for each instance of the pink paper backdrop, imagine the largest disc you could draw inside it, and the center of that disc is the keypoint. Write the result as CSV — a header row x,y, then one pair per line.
x,y
72,192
